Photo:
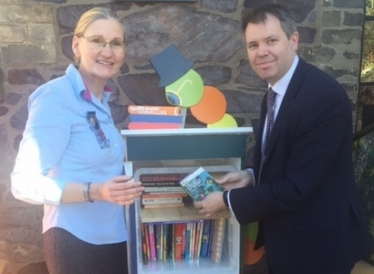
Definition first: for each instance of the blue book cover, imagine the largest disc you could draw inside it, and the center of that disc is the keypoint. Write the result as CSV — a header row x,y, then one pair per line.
x,y
205,238
199,184
187,241
210,237
155,118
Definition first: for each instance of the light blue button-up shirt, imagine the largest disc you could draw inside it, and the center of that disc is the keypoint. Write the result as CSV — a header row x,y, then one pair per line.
x,y
70,136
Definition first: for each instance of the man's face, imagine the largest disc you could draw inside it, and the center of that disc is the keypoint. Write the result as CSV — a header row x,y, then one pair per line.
x,y
269,51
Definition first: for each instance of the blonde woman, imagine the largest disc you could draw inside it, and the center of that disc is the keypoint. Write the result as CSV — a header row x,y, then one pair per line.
x,y
71,156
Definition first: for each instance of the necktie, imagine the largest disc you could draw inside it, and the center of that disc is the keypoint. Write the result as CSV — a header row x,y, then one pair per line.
x,y
270,105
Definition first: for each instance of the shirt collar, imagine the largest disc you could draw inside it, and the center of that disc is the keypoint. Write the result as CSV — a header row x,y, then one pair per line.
x,y
80,88
280,87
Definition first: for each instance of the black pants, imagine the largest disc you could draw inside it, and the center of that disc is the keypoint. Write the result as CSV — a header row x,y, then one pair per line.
x,y
66,254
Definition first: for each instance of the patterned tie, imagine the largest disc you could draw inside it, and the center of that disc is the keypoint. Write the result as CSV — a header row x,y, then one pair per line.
x,y
270,104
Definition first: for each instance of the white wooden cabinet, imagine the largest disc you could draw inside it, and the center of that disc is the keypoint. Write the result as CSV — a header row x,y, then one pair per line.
x,y
184,150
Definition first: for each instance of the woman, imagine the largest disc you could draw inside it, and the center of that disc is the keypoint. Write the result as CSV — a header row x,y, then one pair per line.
x,y
71,156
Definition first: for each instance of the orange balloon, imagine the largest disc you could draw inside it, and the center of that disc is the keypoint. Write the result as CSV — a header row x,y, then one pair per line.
x,y
211,107
250,255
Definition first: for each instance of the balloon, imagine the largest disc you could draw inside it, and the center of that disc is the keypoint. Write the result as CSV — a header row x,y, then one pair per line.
x,y
226,122
212,106
186,91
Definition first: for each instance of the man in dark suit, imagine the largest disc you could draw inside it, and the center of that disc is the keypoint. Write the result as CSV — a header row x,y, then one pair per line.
x,y
301,188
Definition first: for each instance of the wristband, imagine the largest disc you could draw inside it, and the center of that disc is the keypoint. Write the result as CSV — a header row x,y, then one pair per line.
x,y
225,199
86,192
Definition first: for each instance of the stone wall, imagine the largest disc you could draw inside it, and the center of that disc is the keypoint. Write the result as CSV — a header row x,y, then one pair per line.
x,y
35,38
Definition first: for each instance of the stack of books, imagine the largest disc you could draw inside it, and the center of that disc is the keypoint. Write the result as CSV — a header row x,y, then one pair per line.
x,y
162,190
154,117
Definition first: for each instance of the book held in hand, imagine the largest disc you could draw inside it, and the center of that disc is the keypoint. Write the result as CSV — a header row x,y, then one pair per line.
x,y
199,184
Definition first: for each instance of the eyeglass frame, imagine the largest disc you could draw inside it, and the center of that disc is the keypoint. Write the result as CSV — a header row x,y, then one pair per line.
x,y
106,43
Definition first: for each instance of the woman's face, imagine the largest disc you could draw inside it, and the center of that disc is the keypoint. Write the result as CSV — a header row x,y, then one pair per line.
x,y
100,50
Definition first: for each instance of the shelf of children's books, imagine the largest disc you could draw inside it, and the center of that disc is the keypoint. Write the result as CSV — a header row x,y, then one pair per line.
x,y
187,213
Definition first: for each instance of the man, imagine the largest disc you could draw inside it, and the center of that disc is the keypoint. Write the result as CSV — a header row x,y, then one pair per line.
x,y
301,189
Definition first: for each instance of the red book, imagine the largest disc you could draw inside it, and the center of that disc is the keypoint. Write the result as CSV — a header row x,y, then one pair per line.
x,y
152,242
144,125
148,248
154,110
178,241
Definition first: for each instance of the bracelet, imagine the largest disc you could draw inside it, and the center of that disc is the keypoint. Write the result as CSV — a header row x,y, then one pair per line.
x,y
225,199
86,192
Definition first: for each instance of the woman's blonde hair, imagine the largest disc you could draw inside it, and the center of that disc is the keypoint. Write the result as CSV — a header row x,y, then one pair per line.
x,y
91,16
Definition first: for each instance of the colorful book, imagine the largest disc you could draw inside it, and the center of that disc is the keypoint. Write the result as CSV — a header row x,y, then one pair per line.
x,y
217,241
164,195
199,184
159,232
155,118
187,241
197,240
184,227
170,241
159,183
172,205
148,247
157,189
192,240
210,237
178,241
149,125
144,244
166,200
160,178
152,242
154,110
205,238
165,228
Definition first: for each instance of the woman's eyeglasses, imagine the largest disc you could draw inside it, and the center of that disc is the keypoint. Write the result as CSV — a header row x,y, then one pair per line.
x,y
99,43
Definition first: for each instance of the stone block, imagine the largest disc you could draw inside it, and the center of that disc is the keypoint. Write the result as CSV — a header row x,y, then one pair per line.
x,y
353,19
15,13
13,34
29,54
220,5
331,18
340,36
41,33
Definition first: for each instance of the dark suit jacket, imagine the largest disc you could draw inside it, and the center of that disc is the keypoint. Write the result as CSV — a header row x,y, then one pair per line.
x,y
311,218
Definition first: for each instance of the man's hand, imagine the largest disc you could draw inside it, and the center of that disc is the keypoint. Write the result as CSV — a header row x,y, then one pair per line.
x,y
211,204
235,179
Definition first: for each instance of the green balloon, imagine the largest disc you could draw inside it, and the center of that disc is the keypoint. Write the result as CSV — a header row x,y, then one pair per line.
x,y
186,91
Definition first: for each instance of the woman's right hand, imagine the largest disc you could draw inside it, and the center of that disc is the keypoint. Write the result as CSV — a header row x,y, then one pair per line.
x,y
119,190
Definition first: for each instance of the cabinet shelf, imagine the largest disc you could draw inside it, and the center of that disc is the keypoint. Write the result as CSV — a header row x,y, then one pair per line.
x,y
187,213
